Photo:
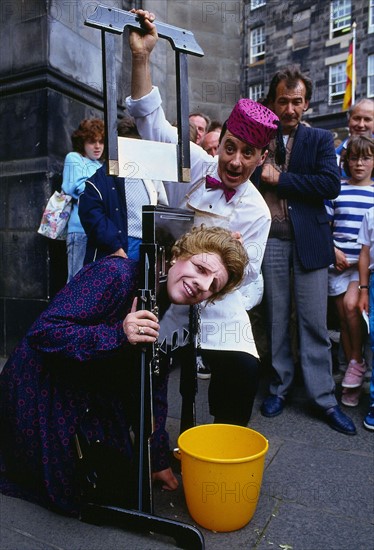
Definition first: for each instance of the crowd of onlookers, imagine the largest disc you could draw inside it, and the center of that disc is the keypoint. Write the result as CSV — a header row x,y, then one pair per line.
x,y
264,186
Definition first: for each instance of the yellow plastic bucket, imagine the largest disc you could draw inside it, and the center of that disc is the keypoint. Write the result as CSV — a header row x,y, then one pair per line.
x,y
222,468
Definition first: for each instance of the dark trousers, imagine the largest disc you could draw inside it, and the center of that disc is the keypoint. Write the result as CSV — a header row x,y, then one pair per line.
x,y
233,385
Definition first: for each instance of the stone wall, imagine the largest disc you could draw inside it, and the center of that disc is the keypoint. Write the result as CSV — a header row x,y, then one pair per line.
x,y
50,79
214,80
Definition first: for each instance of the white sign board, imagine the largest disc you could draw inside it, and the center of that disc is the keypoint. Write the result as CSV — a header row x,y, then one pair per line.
x,y
139,158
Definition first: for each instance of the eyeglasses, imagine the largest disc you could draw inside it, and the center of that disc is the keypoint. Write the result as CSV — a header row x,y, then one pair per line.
x,y
364,160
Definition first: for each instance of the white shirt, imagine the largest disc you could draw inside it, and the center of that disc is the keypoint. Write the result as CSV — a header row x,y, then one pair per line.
x,y
366,235
224,325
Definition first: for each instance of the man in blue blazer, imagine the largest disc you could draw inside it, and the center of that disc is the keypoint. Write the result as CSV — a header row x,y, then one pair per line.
x,y
300,172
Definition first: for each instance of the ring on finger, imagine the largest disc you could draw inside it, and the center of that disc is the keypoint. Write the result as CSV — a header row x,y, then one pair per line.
x,y
140,330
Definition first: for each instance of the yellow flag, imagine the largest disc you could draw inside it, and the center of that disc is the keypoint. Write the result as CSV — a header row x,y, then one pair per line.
x,y
347,102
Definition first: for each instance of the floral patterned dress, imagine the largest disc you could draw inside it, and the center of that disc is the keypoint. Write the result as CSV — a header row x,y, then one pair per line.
x,y
74,359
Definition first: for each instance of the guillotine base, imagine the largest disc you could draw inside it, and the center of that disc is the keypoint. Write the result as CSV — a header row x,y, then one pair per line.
x,y
185,535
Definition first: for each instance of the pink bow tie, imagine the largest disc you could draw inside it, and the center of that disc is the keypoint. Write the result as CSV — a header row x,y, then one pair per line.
x,y
212,183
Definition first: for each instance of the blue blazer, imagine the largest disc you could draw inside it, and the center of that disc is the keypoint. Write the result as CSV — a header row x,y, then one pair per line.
x,y
312,176
103,214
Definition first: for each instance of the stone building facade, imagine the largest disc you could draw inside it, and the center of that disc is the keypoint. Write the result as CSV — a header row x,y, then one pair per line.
x,y
315,36
50,79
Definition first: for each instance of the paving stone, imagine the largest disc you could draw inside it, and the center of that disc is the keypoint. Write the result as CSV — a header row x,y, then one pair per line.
x,y
317,492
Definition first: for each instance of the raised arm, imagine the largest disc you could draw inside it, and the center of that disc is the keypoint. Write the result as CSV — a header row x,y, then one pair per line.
x,y
145,101
141,45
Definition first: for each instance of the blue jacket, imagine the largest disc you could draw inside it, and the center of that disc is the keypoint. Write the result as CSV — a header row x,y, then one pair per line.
x,y
103,214
76,170
312,176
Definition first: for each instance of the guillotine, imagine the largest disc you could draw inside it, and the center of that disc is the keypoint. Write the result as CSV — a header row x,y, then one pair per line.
x,y
112,21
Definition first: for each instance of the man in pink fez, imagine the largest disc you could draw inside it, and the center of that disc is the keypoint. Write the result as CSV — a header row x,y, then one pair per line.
x,y
249,129
220,194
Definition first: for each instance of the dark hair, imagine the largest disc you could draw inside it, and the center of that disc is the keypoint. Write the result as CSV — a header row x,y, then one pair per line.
x,y
291,75
127,128
90,129
215,125
223,131
360,146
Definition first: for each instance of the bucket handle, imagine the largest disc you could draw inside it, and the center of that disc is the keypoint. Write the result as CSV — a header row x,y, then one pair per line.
x,y
177,453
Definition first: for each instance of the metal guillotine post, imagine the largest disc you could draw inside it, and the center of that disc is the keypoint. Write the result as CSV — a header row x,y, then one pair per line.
x,y
113,21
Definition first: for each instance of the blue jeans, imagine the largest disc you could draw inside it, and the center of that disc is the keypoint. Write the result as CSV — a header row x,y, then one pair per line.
x,y
133,251
76,249
284,275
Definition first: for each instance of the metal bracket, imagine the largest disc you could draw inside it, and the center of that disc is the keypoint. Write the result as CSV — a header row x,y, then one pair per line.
x,y
113,21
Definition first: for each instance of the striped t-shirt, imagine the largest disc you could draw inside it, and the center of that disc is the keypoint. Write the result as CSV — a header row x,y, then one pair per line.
x,y
346,213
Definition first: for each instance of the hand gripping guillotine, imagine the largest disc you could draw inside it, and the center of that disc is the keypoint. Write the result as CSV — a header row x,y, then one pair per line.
x,y
113,21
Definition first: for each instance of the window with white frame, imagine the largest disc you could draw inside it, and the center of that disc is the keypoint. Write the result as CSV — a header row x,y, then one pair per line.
x,y
337,82
257,4
371,75
256,92
257,48
340,17
371,16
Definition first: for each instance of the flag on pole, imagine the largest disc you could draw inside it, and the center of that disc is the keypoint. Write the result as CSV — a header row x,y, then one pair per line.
x,y
347,102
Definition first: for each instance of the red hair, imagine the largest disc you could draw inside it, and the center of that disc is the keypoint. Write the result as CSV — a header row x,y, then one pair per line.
x,y
90,129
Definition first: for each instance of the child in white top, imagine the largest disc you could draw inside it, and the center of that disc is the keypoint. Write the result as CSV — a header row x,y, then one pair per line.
x,y
346,213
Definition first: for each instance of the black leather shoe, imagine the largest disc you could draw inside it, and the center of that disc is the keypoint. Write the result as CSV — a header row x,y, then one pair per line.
x,y
339,421
272,406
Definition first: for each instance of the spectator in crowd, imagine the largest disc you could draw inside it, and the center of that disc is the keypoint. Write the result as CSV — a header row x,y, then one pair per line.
x,y
220,194
298,174
74,374
201,122
366,289
110,209
86,158
360,123
210,143
345,215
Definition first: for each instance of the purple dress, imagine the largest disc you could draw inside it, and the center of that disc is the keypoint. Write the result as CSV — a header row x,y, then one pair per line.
x,y
74,358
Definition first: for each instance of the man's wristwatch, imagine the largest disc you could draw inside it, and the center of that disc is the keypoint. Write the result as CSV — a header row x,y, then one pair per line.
x,y
360,287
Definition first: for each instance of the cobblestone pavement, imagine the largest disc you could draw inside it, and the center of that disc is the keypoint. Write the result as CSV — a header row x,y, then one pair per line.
x,y
317,492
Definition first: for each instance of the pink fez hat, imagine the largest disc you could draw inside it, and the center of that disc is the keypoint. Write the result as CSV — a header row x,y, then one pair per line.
x,y
252,123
